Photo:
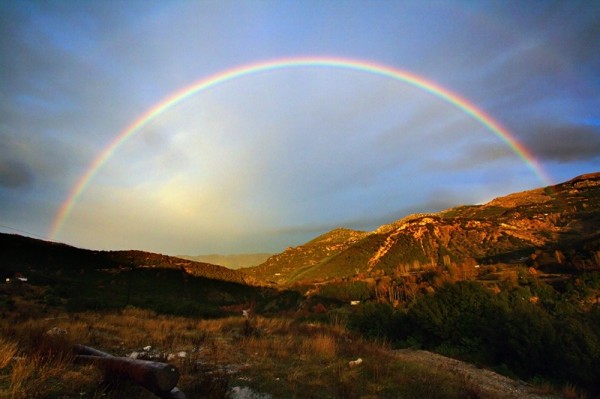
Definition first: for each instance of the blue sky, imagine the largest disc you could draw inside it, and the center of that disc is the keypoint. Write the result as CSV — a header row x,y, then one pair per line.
x,y
274,159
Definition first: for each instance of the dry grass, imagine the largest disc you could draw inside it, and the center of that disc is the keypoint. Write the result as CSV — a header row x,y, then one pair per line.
x,y
321,345
571,392
8,350
278,356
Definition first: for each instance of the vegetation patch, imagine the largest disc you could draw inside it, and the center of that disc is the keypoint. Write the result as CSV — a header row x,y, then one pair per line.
x,y
275,356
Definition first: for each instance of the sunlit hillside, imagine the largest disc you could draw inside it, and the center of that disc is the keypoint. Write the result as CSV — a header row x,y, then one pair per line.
x,y
551,229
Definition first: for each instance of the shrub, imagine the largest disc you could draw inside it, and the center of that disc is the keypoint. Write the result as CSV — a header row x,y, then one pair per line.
x,y
375,320
464,315
529,340
579,356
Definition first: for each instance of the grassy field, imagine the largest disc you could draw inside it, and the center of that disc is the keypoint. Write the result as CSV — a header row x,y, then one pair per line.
x,y
276,356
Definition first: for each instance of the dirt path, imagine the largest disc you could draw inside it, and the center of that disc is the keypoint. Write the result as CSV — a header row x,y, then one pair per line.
x,y
491,384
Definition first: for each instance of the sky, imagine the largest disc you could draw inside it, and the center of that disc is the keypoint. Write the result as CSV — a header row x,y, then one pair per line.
x,y
272,159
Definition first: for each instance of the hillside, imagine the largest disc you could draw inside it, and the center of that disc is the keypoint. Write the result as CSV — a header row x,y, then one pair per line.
x,y
235,262
79,279
284,267
551,228
22,254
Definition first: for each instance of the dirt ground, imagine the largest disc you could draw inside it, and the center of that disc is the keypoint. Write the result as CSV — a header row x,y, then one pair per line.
x,y
490,384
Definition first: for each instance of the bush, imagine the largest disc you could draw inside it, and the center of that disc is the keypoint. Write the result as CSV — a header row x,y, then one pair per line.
x,y
579,356
529,344
346,291
464,315
375,320
555,341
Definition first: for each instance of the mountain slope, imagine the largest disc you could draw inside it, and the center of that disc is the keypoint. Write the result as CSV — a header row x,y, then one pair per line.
x,y
80,280
544,227
286,266
20,254
237,261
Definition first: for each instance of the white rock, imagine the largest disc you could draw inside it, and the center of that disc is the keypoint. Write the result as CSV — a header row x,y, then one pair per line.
x,y
247,393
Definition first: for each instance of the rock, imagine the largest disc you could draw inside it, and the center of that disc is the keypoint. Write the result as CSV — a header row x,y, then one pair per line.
x,y
246,393
56,331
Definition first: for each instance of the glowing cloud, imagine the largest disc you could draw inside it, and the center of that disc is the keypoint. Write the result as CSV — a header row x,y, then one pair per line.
x,y
267,66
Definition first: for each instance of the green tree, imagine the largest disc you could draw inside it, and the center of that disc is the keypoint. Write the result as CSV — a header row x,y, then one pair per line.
x,y
465,316
529,340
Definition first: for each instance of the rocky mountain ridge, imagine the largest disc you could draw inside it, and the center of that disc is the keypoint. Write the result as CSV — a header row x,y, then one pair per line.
x,y
555,226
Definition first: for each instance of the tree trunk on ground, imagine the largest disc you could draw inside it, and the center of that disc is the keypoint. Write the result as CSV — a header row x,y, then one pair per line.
x,y
158,378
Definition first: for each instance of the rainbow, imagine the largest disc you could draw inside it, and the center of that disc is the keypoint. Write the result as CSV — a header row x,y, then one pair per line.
x,y
267,66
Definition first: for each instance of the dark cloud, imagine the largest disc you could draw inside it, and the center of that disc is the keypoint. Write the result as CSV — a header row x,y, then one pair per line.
x,y
565,143
579,36
562,143
473,156
14,174
542,54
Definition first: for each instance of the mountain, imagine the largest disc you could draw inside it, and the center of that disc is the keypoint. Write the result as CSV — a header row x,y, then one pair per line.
x,y
236,261
551,228
290,264
59,275
20,254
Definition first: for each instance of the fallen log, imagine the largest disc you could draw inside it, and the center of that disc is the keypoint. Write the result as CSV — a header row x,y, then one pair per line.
x,y
159,378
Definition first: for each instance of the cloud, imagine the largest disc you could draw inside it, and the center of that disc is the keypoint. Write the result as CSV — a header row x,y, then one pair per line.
x,y
29,158
15,174
578,38
564,143
473,154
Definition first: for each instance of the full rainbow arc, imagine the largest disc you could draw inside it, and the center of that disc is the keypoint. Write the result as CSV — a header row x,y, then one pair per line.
x,y
262,67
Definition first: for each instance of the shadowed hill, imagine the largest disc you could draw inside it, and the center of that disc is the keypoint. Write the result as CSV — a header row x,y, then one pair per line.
x,y
80,280
20,254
